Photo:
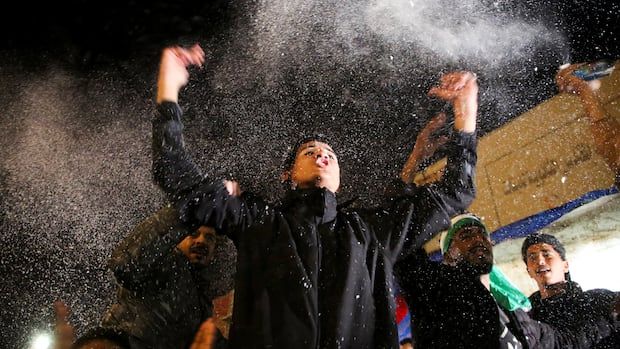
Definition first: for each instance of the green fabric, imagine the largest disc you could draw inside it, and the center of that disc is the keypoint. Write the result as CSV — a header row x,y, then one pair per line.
x,y
505,293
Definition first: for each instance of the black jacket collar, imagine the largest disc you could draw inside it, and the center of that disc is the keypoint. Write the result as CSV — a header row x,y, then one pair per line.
x,y
571,289
318,202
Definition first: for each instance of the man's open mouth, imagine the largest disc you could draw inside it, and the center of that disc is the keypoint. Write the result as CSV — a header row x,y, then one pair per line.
x,y
322,162
479,251
199,251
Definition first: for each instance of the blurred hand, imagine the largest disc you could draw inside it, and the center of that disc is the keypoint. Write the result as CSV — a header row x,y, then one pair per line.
x,y
64,332
173,74
569,83
456,86
233,187
206,335
461,89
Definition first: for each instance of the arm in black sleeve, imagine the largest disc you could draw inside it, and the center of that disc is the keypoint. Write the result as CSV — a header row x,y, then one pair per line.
x,y
419,213
541,335
144,251
420,279
199,200
173,169
452,195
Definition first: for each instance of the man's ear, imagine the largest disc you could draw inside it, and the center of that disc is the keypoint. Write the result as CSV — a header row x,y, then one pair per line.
x,y
448,258
285,176
565,267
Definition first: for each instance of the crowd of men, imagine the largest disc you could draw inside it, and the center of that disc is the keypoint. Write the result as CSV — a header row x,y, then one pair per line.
x,y
311,273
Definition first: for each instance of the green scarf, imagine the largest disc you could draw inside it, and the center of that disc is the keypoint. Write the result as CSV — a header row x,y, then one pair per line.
x,y
505,293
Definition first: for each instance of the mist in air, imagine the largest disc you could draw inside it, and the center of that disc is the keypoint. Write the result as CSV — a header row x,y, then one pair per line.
x,y
75,143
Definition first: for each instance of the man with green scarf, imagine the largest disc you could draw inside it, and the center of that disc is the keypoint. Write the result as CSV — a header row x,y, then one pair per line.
x,y
462,302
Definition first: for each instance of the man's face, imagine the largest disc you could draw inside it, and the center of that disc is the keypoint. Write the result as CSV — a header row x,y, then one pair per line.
x,y
316,165
472,246
199,246
545,265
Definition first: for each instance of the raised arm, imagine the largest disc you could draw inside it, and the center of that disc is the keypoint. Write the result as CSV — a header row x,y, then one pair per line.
x,y
200,200
424,147
173,169
605,129
460,88
456,190
419,213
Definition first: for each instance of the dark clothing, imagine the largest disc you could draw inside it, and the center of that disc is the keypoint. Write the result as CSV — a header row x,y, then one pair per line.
x,y
309,274
451,308
161,297
573,307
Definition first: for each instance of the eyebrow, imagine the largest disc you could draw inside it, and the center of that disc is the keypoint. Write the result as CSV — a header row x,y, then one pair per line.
x,y
540,251
313,145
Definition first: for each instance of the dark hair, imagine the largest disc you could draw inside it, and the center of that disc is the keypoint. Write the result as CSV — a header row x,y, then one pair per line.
x,y
290,159
542,238
116,336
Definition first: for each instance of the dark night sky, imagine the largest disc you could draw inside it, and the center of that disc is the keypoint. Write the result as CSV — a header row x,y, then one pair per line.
x,y
77,84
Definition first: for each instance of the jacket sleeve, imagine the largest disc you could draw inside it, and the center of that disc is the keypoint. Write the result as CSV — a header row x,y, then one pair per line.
x,y
419,213
417,275
143,253
581,336
200,200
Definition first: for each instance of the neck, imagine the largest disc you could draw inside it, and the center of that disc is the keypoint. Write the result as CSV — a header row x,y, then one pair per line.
x,y
313,185
552,290
485,279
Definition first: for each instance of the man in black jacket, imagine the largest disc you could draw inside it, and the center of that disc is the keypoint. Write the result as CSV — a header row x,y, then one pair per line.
x,y
452,306
311,275
559,301
165,287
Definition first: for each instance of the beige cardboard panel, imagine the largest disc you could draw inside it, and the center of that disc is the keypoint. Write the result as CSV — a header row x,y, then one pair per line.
x,y
433,244
484,204
613,109
557,168
528,127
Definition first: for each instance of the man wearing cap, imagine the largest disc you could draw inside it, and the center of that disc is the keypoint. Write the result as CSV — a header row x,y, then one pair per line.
x,y
465,302
560,301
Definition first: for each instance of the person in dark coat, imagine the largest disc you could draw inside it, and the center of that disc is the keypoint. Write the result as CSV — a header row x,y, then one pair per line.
x,y
560,301
452,306
311,274
165,291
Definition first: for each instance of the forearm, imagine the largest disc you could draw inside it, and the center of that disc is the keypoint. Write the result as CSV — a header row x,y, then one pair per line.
x,y
173,169
465,114
166,92
457,185
605,129
592,106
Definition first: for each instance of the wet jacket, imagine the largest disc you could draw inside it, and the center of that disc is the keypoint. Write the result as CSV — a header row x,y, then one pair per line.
x,y
311,275
451,308
574,306
162,298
